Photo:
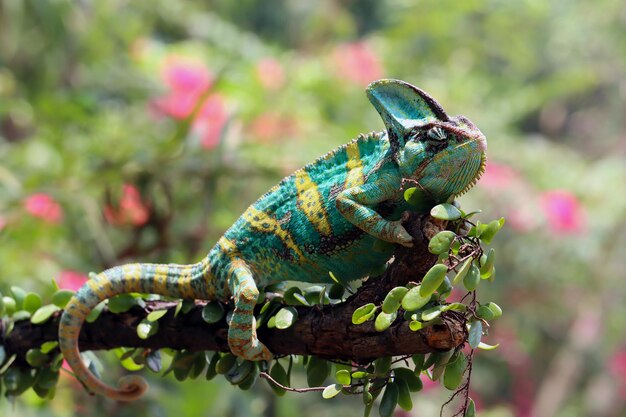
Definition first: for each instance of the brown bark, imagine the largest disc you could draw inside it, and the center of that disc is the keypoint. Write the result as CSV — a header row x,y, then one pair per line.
x,y
323,331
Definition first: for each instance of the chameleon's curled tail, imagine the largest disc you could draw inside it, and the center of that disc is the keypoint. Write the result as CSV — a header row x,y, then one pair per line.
x,y
180,281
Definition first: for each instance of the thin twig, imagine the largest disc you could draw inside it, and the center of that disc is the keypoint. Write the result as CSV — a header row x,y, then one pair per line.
x,y
279,385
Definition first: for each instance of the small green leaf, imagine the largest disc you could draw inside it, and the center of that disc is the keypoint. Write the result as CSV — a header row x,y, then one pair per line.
x,y
453,374
32,302
43,314
441,360
317,371
445,288
211,371
490,231
389,401
36,358
455,307
412,196
147,328
485,346
153,361
343,377
445,212
485,313
9,305
393,299
471,280
47,347
285,317
462,272
487,267
18,295
432,313
360,374
475,334
416,325
382,365
404,395
241,372
95,313
250,380
47,378
471,409
418,361
433,279
156,315
121,303
212,312
363,313
440,243
62,297
384,320
279,375
21,315
331,391
127,361
290,296
414,383
225,363
495,309
413,300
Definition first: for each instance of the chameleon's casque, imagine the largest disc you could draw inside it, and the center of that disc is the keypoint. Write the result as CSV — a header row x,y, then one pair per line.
x,y
325,217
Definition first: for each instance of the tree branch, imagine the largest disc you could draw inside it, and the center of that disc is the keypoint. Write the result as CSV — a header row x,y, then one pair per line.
x,y
322,331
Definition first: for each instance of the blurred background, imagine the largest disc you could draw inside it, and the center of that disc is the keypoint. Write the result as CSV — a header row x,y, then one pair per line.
x,y
138,131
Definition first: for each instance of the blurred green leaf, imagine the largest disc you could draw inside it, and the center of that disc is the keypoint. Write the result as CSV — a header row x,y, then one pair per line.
x,y
331,391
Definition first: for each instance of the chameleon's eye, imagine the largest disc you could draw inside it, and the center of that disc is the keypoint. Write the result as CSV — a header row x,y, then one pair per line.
x,y
436,134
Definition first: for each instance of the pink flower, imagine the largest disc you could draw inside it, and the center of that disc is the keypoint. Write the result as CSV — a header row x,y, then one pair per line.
x,y
498,176
71,280
130,211
188,82
563,211
3,222
270,73
356,63
210,122
43,206
617,366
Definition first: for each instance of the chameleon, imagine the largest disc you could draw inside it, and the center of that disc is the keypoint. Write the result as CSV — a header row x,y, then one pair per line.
x,y
327,217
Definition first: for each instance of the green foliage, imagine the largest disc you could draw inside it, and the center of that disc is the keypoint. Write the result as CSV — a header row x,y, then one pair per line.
x,y
425,304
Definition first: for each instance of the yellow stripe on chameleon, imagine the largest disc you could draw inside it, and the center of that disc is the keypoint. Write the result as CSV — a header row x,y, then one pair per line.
x,y
184,284
227,247
354,166
102,290
262,222
132,277
160,279
311,203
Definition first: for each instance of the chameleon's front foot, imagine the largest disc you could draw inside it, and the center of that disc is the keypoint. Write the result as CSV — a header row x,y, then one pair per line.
x,y
394,232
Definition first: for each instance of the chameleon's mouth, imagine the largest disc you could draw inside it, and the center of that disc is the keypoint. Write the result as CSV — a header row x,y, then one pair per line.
x,y
479,173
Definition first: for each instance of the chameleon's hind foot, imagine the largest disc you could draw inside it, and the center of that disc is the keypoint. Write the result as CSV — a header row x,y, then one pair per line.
x,y
252,351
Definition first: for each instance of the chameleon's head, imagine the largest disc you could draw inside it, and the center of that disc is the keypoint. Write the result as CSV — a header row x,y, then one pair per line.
x,y
444,155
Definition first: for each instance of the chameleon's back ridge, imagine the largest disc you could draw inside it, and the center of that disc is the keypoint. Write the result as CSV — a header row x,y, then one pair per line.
x,y
325,217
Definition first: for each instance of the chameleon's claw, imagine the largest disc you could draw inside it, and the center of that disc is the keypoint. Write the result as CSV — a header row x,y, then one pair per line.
x,y
396,233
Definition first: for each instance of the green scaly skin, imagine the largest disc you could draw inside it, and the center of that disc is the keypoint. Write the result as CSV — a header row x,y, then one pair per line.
x,y
326,217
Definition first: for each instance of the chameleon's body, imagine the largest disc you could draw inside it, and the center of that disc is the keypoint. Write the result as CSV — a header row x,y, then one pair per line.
x,y
326,217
